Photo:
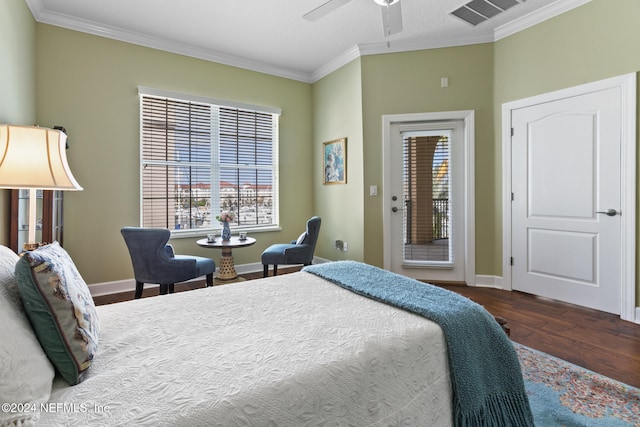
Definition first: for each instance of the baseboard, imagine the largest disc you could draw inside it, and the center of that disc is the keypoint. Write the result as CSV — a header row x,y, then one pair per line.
x,y
483,281
119,286
128,285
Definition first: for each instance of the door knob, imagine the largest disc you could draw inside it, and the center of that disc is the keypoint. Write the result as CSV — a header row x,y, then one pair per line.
x,y
609,212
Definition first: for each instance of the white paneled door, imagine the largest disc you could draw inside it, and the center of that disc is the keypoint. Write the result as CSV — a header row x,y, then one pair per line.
x,y
566,199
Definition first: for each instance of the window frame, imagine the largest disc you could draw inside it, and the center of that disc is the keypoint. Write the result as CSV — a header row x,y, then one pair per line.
x,y
215,165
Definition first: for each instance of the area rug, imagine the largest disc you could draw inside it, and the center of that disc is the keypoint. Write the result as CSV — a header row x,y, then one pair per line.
x,y
564,394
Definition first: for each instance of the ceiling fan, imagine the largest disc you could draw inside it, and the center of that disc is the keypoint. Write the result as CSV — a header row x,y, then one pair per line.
x,y
391,13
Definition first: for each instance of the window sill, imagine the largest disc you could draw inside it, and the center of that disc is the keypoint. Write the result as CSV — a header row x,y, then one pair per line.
x,y
202,232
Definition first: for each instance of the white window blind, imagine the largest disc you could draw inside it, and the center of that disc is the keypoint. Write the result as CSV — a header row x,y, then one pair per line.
x,y
199,158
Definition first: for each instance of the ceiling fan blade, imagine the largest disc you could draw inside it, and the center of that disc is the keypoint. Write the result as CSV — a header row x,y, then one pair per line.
x,y
392,19
324,9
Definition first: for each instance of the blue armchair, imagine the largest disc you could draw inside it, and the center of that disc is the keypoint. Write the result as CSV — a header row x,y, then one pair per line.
x,y
155,262
297,252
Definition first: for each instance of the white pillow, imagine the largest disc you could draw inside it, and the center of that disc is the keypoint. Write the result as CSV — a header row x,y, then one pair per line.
x,y
27,374
301,238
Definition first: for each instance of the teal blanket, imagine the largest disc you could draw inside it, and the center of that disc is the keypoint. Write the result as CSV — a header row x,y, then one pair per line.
x,y
488,389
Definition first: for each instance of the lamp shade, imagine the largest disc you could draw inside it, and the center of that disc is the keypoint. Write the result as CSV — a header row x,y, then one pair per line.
x,y
34,157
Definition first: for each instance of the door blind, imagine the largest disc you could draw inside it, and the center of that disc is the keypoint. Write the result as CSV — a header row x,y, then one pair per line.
x,y
427,210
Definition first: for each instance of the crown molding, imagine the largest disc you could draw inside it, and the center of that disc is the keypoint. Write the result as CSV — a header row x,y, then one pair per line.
x,y
410,45
90,27
336,63
550,11
365,49
45,16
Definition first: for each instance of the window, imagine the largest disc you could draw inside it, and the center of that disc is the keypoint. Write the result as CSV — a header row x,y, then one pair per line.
x,y
201,156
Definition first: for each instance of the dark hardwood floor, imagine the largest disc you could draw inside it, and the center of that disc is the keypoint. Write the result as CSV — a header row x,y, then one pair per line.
x,y
598,341
595,340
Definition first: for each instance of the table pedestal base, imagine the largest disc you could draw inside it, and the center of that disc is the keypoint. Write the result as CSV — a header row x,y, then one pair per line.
x,y
226,271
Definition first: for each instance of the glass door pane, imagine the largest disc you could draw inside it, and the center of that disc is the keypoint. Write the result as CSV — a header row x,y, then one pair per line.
x,y
427,206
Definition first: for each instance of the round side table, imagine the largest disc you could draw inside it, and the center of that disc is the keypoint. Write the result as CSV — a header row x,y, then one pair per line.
x,y
226,270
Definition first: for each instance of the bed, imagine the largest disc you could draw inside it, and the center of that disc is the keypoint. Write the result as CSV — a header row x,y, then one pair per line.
x,y
292,350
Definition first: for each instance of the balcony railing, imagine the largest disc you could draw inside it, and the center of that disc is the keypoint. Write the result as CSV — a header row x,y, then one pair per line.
x,y
440,219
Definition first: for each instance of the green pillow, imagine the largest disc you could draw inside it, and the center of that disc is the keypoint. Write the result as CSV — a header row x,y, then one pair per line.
x,y
60,308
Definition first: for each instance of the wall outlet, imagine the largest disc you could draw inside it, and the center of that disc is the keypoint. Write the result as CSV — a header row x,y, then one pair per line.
x,y
339,244
345,247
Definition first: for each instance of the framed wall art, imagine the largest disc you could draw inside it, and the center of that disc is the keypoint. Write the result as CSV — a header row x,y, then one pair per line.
x,y
334,161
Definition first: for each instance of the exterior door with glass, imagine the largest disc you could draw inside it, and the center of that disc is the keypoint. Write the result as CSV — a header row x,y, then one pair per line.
x,y
427,223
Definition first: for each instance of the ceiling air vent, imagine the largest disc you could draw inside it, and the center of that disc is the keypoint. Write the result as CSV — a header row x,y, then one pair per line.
x,y
477,11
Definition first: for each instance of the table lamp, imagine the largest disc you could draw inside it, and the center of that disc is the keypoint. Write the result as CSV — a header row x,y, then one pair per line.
x,y
34,158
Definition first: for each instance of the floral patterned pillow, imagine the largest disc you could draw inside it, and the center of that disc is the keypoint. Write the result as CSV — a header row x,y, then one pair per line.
x,y
61,309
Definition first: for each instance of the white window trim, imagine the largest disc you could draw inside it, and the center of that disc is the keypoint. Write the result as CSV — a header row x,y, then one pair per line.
x,y
142,90
147,91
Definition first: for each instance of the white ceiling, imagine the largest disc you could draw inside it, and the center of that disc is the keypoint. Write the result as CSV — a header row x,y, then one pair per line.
x,y
271,36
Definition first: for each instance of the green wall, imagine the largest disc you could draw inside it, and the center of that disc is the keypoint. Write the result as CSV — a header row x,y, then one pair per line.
x,y
337,107
17,79
409,82
89,85
589,43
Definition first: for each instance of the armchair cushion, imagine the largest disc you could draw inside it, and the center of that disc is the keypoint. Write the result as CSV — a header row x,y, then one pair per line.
x,y
274,254
61,309
287,253
203,265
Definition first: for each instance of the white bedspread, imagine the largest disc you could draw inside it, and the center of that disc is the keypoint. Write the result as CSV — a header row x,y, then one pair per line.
x,y
293,350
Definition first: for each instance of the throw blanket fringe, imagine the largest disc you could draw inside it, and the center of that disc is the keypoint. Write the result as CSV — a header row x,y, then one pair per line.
x,y
488,389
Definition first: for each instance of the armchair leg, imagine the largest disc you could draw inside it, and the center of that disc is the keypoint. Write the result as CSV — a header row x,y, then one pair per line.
x,y
210,279
164,289
139,286
172,287
265,270
275,269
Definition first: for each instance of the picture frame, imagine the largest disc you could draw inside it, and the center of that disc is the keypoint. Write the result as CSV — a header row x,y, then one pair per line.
x,y
334,161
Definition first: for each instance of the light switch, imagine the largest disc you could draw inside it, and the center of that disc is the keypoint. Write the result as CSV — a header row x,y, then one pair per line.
x,y
373,190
